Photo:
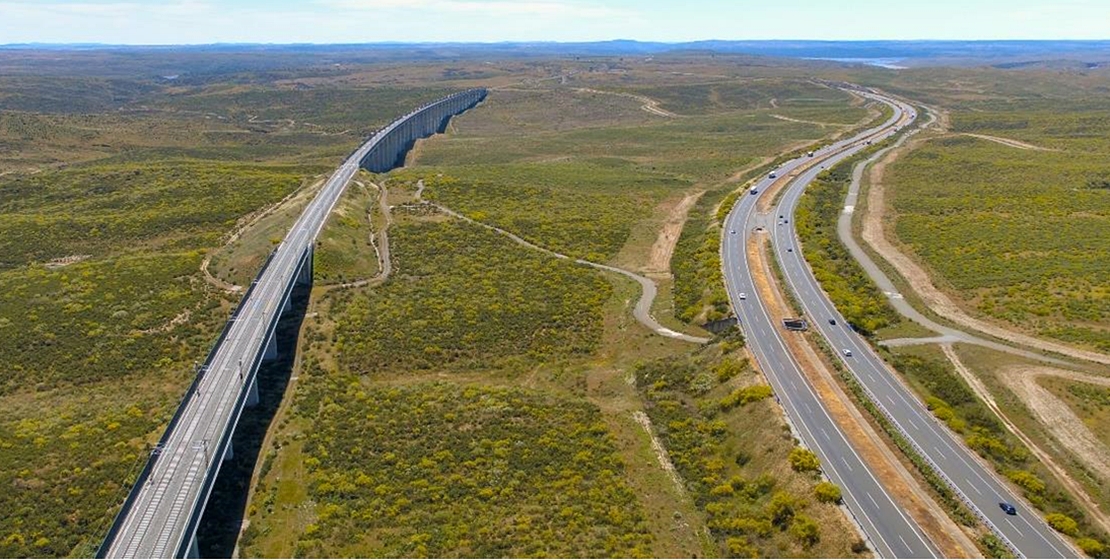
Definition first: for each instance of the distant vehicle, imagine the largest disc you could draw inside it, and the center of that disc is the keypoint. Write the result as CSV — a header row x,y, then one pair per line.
x,y
755,190
789,249
810,154
868,142
732,231
832,321
1008,508
743,295
772,175
780,216
786,221
847,352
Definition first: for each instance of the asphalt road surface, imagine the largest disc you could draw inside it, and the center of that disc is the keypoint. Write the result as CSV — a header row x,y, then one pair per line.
x,y
890,531
965,472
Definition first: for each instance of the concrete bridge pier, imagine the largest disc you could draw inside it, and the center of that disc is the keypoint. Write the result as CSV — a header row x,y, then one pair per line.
x,y
270,353
305,276
252,394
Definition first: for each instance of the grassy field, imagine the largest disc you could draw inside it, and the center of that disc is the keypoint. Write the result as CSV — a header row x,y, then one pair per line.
x,y
466,297
444,469
1019,235
112,192
1014,233
712,414
468,314
345,253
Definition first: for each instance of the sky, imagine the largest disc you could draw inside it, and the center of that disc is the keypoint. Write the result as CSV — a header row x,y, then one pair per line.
x,y
367,21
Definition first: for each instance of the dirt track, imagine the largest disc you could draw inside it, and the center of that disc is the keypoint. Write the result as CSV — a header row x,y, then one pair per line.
x,y
1057,416
1011,142
649,105
1022,381
659,259
874,223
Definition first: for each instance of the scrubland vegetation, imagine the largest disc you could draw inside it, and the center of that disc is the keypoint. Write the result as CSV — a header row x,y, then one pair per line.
x,y
112,191
1021,236
759,493
451,470
849,287
425,357
467,297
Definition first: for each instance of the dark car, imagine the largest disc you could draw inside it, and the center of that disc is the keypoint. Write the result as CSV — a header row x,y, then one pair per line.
x,y
1008,508
832,321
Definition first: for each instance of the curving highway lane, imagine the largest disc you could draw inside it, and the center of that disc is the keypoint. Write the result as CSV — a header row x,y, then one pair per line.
x,y
890,531
974,482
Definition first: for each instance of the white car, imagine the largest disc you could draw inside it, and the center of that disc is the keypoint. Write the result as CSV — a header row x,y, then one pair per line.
x,y
847,352
743,295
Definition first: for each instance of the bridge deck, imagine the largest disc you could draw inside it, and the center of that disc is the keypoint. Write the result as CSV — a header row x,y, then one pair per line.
x,y
160,517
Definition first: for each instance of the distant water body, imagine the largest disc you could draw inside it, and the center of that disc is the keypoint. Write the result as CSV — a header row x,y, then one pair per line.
x,y
881,62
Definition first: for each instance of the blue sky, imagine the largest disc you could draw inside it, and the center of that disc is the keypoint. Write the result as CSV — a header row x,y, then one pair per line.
x,y
344,21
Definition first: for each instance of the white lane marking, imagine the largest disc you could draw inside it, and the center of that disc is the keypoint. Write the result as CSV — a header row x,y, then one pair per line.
x,y
846,464
1014,526
872,498
939,452
974,487
914,424
904,543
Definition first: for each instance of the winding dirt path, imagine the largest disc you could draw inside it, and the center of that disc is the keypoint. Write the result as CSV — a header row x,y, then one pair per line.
x,y
874,234
818,123
379,241
650,105
648,289
1011,142
1055,415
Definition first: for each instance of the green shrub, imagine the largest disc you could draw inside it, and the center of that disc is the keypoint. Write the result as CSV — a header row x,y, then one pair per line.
x,y
1027,481
804,460
780,510
1091,547
1062,523
805,530
827,492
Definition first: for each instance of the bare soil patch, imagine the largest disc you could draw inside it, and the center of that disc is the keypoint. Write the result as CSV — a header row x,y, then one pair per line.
x,y
1011,142
659,258
879,217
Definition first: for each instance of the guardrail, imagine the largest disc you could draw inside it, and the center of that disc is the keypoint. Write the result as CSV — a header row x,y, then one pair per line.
x,y
132,495
975,510
215,460
212,469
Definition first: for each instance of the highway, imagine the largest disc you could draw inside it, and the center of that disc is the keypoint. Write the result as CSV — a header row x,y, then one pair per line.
x,y
891,533
160,518
974,482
